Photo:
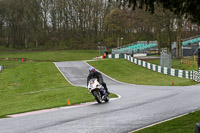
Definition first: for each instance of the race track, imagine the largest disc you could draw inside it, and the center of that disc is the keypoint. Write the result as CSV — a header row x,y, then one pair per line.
x,y
138,107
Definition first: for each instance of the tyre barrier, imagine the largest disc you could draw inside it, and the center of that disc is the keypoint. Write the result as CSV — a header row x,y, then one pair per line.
x,y
193,75
160,69
153,67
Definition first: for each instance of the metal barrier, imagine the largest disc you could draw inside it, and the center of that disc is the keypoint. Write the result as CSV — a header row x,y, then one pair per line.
x,y
197,128
190,38
1,68
137,47
165,59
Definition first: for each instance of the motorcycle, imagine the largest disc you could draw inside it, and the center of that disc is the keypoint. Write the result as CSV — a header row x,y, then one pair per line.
x,y
98,91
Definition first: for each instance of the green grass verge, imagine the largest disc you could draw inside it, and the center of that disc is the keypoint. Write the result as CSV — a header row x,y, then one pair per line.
x,y
30,86
176,64
185,124
128,72
62,55
35,86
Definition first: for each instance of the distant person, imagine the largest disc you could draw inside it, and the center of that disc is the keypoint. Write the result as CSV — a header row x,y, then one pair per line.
x,y
94,74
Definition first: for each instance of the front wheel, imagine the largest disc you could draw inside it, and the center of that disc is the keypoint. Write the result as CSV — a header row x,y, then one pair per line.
x,y
97,96
106,99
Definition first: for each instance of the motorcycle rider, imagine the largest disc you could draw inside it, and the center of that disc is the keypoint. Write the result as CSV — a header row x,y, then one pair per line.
x,y
94,74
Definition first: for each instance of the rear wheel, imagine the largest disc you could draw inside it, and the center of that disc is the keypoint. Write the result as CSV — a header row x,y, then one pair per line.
x,y
97,96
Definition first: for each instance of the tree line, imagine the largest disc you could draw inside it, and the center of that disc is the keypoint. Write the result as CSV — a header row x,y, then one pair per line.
x,y
77,24
28,23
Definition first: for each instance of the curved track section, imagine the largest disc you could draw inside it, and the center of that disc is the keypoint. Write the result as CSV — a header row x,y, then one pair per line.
x,y
138,107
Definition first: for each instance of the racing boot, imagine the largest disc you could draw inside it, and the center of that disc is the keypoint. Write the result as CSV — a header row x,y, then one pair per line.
x,y
107,91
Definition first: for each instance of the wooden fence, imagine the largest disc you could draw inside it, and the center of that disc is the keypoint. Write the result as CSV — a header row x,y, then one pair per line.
x,y
190,63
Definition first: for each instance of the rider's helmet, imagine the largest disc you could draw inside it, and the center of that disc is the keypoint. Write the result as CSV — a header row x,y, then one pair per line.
x,y
92,70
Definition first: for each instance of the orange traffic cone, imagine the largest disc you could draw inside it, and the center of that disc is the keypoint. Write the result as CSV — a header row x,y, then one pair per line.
x,y
68,102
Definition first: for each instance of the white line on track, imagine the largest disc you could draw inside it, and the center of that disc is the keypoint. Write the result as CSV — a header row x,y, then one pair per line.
x,y
107,75
160,122
59,108
63,74
148,125
55,109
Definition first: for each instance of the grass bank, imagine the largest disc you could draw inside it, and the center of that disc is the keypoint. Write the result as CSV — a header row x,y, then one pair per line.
x,y
62,55
185,124
128,72
176,64
36,83
35,86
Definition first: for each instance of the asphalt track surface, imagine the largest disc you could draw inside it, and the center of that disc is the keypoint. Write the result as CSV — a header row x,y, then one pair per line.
x,y
139,106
